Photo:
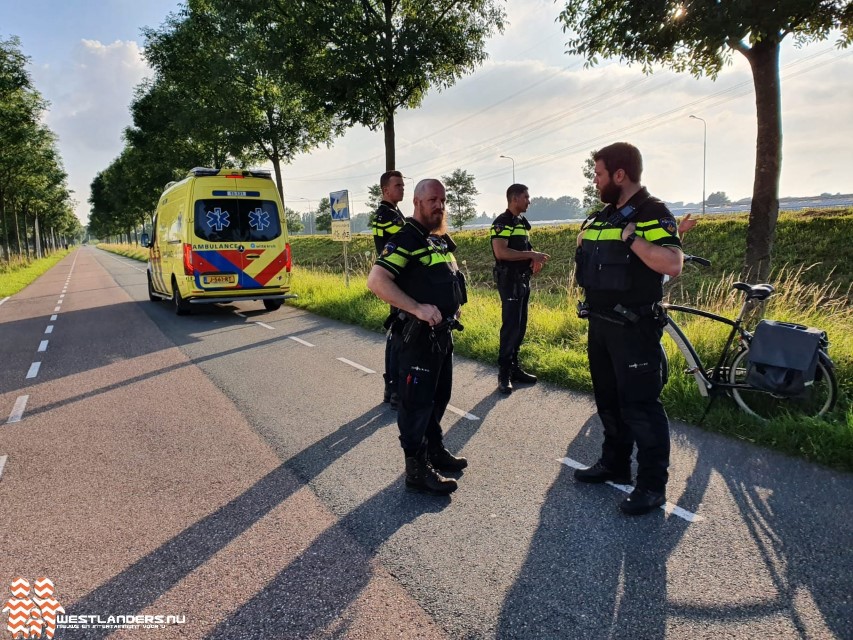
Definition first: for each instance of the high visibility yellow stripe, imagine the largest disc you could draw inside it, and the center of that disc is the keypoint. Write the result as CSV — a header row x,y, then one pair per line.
x,y
519,231
436,258
612,233
505,233
397,260
656,234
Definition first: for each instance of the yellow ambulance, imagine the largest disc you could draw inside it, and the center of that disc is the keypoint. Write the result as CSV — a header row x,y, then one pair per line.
x,y
219,235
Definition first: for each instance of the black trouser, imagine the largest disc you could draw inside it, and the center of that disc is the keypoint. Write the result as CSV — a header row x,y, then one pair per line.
x,y
424,382
625,364
390,356
515,294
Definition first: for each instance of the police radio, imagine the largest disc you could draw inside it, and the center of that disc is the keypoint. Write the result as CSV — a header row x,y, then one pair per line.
x,y
621,217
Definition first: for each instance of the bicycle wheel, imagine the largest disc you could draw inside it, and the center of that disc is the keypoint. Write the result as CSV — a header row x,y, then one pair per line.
x,y
819,397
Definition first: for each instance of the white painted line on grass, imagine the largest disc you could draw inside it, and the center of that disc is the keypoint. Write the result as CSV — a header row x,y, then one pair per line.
x,y
49,329
4,299
265,326
3,464
53,317
42,346
464,414
669,508
34,370
300,341
356,365
18,409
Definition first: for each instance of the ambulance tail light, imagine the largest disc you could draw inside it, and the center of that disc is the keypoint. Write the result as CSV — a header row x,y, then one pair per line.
x,y
288,257
188,260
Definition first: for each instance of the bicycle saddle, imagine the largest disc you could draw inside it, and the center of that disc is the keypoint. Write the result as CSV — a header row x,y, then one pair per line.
x,y
756,291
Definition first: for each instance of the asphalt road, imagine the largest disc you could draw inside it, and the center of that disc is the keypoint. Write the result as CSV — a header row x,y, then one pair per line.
x,y
230,468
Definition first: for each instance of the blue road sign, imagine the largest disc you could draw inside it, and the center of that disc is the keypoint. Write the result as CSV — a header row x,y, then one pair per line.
x,y
339,201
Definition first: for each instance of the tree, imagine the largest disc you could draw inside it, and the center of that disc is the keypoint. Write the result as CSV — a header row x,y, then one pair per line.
x,y
717,199
701,36
460,197
591,201
323,216
294,220
365,59
374,196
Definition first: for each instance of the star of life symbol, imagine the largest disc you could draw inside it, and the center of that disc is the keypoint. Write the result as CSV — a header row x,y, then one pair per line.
x,y
29,617
259,219
218,219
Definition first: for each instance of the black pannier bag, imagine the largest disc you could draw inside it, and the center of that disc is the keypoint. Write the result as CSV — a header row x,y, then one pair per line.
x,y
783,357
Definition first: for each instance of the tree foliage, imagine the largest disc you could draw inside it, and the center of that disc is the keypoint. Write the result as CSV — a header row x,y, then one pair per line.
x,y
591,200
366,59
717,198
701,36
460,189
562,208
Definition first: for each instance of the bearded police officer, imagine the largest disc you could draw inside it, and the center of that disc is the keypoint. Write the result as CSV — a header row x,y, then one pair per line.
x,y
417,274
623,253
515,262
387,221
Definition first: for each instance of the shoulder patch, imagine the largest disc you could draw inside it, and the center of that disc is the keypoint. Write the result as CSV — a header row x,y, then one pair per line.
x,y
498,227
669,225
388,250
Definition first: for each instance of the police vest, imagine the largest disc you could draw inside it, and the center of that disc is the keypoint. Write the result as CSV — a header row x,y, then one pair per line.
x,y
513,229
605,266
422,267
387,221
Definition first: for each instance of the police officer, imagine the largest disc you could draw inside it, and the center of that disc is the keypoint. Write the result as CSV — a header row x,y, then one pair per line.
x,y
515,262
387,221
417,274
623,253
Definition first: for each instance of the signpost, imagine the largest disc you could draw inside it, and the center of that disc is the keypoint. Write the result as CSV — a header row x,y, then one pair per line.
x,y
341,230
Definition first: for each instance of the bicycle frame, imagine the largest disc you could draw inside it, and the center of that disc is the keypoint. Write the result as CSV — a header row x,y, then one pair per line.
x,y
695,365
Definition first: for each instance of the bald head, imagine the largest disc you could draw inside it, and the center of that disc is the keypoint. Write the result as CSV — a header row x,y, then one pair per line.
x,y
429,201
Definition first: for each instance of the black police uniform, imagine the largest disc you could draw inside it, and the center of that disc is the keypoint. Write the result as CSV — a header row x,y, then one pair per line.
x,y
422,268
513,280
625,329
387,221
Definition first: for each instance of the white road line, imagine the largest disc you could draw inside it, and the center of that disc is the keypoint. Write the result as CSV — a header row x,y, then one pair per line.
x,y
62,296
669,508
356,365
42,346
464,414
4,299
3,464
34,370
300,341
125,263
18,409
49,329
265,326
56,308
239,314
53,317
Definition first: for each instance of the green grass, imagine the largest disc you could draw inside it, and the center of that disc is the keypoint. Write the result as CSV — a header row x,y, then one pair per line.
x,y
128,250
555,345
16,276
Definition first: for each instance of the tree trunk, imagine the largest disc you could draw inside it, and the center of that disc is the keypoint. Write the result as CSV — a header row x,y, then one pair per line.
x,y
390,151
7,253
37,235
17,232
764,212
276,165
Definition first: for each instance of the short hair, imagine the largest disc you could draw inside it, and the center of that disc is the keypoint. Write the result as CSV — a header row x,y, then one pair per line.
x,y
515,190
621,155
423,184
385,178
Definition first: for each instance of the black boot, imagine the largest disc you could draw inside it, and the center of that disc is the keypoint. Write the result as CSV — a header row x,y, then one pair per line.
x,y
504,384
442,460
421,476
519,375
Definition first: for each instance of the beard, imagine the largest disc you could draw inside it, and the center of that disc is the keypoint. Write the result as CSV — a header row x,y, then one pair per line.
x,y
436,225
610,193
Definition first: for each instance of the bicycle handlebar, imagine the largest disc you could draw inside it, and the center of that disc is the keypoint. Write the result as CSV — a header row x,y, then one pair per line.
x,y
697,260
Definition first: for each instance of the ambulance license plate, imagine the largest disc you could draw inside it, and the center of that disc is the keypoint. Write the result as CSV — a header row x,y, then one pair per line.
x,y
219,279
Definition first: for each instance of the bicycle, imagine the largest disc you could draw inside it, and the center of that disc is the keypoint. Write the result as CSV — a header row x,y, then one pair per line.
x,y
728,376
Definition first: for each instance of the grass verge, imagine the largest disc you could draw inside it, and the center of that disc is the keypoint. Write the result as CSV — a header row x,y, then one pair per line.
x,y
15,277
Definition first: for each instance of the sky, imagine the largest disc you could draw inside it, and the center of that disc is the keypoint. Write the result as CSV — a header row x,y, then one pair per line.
x,y
529,101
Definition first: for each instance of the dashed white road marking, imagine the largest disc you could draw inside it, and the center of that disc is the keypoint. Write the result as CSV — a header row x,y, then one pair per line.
x,y
300,341
56,308
356,365
18,409
62,296
34,370
265,326
49,329
239,314
464,414
4,299
3,464
669,508
53,317
42,346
